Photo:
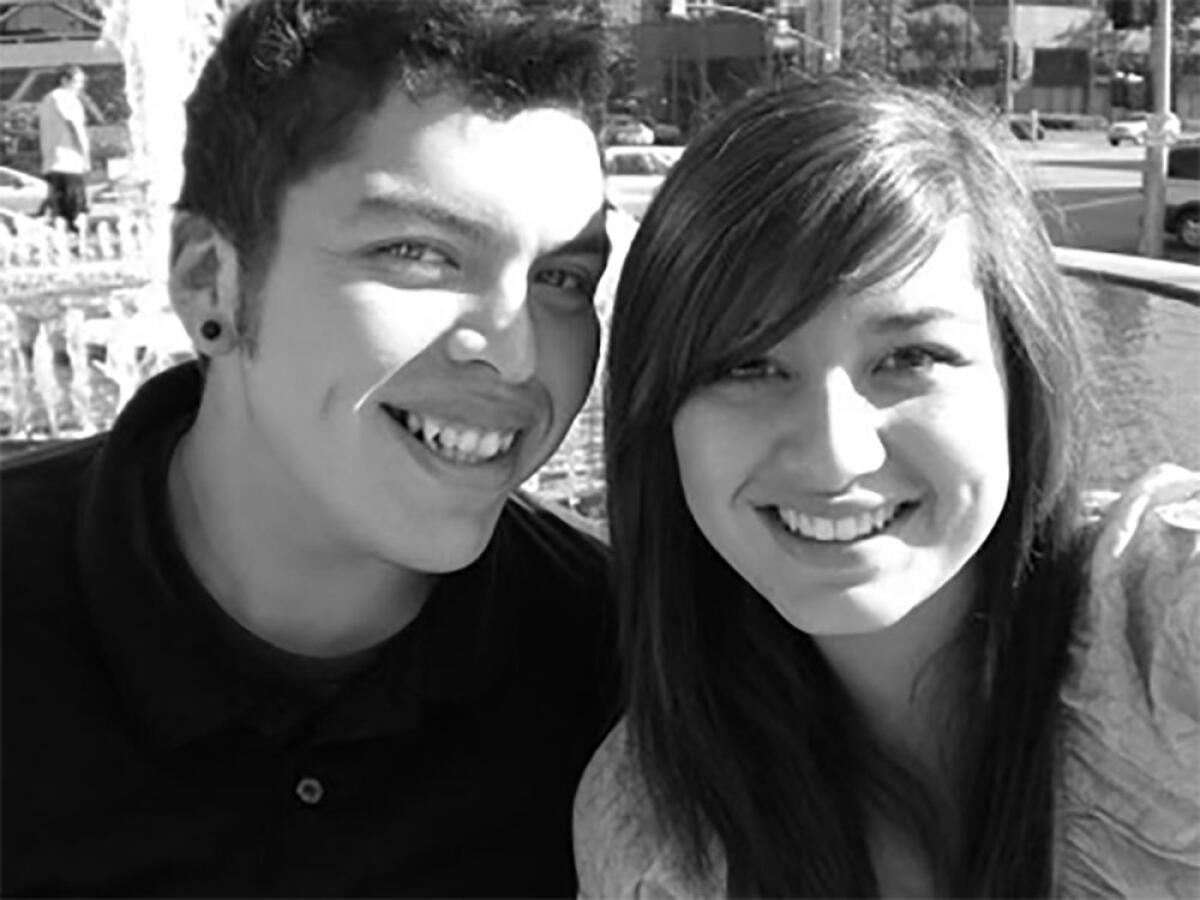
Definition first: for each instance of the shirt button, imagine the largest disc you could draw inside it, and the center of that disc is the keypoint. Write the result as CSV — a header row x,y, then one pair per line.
x,y
310,791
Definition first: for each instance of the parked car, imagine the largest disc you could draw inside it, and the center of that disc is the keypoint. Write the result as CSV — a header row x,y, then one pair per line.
x,y
1183,194
1022,128
666,133
635,174
21,192
1132,129
626,130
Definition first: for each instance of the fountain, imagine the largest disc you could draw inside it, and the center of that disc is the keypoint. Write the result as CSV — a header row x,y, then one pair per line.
x,y
85,318
164,46
98,305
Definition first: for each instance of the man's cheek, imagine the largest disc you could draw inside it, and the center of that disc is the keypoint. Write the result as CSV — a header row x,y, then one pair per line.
x,y
400,328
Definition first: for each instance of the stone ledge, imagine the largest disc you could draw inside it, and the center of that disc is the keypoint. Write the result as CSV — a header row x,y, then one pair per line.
x,y
1179,281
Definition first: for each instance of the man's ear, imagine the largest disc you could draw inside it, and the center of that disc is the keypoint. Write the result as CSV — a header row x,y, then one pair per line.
x,y
204,284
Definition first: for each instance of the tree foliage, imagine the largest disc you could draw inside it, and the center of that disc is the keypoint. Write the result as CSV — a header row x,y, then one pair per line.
x,y
582,10
943,37
874,33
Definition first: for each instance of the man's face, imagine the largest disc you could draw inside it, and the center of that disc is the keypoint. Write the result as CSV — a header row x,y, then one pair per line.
x,y
426,332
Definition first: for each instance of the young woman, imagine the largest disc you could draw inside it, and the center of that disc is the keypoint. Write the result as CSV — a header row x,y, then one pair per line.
x,y
873,644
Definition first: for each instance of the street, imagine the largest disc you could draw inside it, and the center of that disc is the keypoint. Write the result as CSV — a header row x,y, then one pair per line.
x,y
1091,195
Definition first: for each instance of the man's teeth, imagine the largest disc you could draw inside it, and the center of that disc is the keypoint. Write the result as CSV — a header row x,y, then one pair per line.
x,y
457,443
846,529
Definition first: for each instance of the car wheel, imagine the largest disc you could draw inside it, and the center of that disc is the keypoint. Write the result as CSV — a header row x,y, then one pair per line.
x,y
1116,142
1187,227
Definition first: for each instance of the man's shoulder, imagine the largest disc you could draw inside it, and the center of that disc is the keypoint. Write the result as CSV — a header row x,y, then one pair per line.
x,y
557,564
553,537
53,100
66,99
40,493
53,468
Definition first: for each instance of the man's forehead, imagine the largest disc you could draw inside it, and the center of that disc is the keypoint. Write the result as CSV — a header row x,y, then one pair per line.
x,y
446,158
531,133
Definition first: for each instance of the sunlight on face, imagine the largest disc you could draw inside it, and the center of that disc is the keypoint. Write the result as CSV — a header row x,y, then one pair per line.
x,y
856,468
427,331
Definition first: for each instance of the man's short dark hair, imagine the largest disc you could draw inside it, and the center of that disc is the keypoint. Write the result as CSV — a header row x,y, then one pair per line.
x,y
291,81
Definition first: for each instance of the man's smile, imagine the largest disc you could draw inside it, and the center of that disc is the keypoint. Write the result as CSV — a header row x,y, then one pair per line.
x,y
455,442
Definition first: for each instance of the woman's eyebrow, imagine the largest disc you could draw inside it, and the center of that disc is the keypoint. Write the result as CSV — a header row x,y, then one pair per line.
x,y
909,320
592,242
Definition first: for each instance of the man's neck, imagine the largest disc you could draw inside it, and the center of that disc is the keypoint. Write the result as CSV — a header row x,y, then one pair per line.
x,y
268,556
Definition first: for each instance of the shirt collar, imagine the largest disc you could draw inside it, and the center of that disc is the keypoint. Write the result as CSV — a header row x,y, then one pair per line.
x,y
146,603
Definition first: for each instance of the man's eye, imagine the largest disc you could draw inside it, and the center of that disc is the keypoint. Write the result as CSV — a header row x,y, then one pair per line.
x,y
917,358
754,369
566,280
414,251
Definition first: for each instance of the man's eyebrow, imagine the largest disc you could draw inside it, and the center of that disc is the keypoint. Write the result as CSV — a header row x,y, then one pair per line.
x,y
395,201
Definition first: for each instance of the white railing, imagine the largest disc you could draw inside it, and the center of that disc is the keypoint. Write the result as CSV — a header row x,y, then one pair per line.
x,y
32,250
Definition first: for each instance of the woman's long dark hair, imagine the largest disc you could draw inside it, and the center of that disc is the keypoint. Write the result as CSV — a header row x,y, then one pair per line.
x,y
740,730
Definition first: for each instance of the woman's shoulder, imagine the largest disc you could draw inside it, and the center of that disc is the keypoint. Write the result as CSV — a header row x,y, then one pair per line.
x,y
1143,594
1156,519
1130,796
618,850
1145,563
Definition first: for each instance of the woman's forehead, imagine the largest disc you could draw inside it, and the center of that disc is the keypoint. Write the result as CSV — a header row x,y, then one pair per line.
x,y
938,285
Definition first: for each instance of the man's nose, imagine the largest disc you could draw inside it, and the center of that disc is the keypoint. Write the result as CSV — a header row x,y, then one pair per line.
x,y
498,331
832,434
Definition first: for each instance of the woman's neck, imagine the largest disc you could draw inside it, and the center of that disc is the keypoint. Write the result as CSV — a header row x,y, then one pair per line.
x,y
904,681
902,678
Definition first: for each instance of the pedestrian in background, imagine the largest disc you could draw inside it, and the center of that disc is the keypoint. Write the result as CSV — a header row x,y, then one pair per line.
x,y
66,151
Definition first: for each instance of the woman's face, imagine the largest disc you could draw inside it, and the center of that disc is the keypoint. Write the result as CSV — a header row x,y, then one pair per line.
x,y
851,472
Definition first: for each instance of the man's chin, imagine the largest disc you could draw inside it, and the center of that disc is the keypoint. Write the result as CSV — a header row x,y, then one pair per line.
x,y
450,545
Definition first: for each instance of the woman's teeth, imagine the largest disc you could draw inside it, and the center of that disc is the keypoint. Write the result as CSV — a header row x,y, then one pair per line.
x,y
842,530
457,443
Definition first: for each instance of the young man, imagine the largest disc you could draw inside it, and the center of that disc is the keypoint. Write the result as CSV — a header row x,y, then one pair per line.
x,y
66,151
286,630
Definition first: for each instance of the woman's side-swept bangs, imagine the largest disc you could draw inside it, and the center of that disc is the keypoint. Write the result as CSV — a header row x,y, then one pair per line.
x,y
753,232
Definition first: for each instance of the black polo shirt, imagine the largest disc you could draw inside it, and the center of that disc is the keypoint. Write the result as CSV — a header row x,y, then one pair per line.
x,y
153,747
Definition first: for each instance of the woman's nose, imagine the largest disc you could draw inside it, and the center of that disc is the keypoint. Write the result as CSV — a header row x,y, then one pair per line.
x,y
832,434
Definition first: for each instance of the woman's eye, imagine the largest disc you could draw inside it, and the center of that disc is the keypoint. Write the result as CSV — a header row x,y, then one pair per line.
x,y
919,358
566,280
754,369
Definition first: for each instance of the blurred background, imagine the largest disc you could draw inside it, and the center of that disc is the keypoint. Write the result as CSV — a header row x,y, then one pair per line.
x,y
1100,98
